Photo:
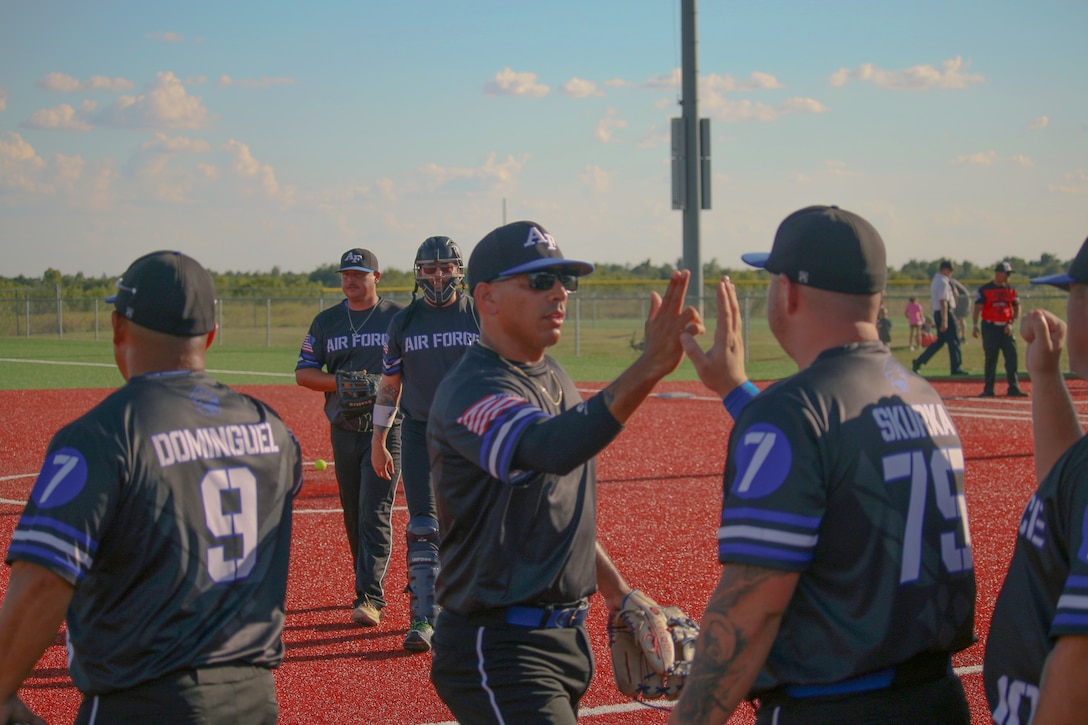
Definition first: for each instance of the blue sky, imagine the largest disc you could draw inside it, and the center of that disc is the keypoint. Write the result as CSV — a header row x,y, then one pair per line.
x,y
254,135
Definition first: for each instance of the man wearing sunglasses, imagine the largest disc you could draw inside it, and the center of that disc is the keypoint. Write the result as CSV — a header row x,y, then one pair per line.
x,y
512,448
425,339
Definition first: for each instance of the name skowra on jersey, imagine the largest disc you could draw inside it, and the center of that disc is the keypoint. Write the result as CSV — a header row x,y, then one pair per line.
x,y
225,441
346,342
911,422
458,338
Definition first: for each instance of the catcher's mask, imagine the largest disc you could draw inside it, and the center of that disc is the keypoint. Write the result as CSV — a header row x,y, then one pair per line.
x,y
439,269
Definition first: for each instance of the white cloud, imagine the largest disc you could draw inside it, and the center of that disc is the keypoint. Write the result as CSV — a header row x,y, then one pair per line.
x,y
508,82
580,88
990,158
262,82
64,83
607,125
757,81
248,167
175,144
597,179
979,158
195,80
1039,123
728,110
952,75
3,99
1075,183
26,178
62,118
165,104
492,176
166,37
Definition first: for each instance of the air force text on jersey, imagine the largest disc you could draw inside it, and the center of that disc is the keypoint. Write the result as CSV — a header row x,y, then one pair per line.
x,y
224,441
435,340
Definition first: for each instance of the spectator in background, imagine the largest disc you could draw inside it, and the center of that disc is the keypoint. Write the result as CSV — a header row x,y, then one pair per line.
x,y
998,306
963,307
884,326
914,319
944,317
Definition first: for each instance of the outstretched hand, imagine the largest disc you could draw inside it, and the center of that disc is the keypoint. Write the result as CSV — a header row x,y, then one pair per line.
x,y
668,321
721,368
1044,334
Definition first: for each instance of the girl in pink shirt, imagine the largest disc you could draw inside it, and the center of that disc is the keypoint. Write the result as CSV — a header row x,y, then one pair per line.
x,y
914,319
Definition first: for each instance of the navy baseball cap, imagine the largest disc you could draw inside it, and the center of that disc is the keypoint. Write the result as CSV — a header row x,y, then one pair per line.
x,y
358,260
168,292
1003,267
1077,272
827,248
517,248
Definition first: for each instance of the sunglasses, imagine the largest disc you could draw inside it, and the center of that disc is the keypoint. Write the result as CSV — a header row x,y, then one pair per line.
x,y
544,280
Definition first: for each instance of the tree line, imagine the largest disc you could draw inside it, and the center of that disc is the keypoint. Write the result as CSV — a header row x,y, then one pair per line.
x,y
276,282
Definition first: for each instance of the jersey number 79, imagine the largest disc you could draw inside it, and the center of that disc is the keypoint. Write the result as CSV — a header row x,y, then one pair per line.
x,y
942,467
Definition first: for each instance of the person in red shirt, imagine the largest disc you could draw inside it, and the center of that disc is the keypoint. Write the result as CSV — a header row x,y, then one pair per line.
x,y
997,304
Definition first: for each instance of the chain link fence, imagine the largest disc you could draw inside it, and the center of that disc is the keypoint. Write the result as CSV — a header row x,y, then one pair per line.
x,y
601,320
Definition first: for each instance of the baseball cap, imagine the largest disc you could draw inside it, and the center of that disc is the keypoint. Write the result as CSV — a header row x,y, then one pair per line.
x,y
1003,267
358,260
1077,272
517,248
945,264
169,292
828,248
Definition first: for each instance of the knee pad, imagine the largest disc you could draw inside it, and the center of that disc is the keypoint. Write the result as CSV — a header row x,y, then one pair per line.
x,y
423,565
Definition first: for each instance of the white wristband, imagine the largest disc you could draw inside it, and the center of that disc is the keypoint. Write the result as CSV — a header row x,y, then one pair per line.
x,y
384,415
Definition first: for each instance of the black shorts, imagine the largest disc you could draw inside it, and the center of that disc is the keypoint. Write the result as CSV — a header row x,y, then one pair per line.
x,y
492,673
216,695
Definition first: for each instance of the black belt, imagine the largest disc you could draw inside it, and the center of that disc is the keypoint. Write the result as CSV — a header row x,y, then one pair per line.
x,y
535,616
922,668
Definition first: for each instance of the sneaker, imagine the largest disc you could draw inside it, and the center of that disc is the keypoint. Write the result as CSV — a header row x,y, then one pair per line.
x,y
1017,394
915,366
366,614
959,372
419,636
987,394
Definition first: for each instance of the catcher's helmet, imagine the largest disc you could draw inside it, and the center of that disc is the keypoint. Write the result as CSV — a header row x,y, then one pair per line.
x,y
439,269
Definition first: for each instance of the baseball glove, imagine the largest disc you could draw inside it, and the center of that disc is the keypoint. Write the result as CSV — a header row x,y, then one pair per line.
x,y
356,392
652,647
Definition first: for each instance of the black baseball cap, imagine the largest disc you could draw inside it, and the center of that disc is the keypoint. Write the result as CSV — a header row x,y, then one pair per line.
x,y
828,248
1078,271
168,292
517,248
358,260
1003,267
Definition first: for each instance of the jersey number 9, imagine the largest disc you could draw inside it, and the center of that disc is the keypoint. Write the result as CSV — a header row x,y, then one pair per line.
x,y
238,518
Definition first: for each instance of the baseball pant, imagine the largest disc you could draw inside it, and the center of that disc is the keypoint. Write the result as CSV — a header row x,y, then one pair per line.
x,y
510,675
996,339
416,469
950,337
367,500
216,695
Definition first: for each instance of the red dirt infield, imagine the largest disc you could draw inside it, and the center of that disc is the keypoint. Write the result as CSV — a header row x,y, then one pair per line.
x,y
660,495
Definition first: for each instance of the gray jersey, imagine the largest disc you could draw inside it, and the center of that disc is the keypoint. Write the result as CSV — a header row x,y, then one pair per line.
x,y
1045,594
168,507
423,343
511,449
340,339
851,473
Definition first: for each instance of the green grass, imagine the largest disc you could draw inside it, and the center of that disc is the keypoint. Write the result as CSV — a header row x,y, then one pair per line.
x,y
604,350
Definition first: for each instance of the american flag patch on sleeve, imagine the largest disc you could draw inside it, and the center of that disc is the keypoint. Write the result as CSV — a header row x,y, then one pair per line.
x,y
484,411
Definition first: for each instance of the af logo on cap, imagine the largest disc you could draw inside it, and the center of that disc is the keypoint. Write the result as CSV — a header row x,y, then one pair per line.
x,y
538,237
353,257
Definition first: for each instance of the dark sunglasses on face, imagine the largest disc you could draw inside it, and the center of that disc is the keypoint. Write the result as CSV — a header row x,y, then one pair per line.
x,y
545,279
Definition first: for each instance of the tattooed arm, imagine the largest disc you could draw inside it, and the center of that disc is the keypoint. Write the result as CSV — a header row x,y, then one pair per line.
x,y
388,395
736,633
